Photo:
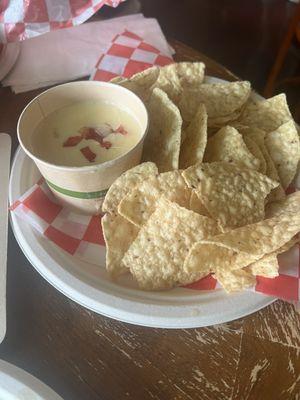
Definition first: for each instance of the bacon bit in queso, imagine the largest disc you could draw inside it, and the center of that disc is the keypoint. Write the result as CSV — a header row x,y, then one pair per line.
x,y
121,129
89,133
95,134
88,154
72,141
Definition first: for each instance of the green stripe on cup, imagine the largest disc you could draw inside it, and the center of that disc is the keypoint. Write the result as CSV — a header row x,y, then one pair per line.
x,y
77,195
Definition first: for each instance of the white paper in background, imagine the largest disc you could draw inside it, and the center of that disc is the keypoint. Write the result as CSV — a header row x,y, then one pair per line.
x,y
5,146
72,53
8,58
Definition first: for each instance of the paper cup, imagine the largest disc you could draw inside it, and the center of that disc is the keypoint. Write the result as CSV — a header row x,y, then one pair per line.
x,y
82,188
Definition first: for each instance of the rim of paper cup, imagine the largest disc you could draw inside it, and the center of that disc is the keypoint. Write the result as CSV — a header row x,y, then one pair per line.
x,y
105,164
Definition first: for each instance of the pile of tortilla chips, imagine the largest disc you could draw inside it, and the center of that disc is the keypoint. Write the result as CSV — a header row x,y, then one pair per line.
x,y
209,196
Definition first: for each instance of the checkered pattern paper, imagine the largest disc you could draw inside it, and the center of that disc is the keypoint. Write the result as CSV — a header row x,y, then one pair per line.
x,y
21,19
125,56
81,236
78,235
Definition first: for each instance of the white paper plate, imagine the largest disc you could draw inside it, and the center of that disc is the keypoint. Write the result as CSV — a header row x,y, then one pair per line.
x,y
91,287
16,384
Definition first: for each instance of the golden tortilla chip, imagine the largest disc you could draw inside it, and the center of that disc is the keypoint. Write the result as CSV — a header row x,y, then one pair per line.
x,y
220,99
233,281
174,77
190,74
197,206
264,236
258,136
162,143
228,145
284,148
118,234
243,246
207,256
214,124
118,79
156,256
139,204
267,115
288,204
193,146
125,183
141,83
232,195
256,152
268,265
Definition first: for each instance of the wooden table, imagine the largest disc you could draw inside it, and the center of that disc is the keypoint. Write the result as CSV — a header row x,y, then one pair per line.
x,y
84,356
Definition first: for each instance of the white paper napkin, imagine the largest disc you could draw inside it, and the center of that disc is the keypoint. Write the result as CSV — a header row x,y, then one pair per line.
x,y
69,54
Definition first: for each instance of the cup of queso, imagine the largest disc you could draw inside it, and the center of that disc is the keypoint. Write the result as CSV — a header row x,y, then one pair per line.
x,y
82,136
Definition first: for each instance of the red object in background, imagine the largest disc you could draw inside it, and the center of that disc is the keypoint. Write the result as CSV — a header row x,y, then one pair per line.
x,y
72,141
88,154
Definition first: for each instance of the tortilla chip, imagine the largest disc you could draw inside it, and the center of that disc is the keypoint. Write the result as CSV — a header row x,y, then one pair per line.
x,y
118,79
162,143
233,281
220,99
197,206
256,152
267,115
208,256
214,124
258,136
126,182
228,145
232,195
140,203
288,204
254,240
174,77
265,236
118,235
141,83
243,246
193,146
268,265
284,148
156,256
190,74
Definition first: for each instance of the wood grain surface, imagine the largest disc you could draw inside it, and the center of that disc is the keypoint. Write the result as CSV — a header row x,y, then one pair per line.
x,y
85,356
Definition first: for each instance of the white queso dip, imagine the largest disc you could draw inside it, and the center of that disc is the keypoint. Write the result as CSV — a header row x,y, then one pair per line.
x,y
85,133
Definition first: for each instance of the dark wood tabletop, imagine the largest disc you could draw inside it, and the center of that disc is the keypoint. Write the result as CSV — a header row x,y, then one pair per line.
x,y
85,356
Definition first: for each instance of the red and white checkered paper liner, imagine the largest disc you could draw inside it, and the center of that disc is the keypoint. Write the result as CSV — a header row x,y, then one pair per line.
x,y
23,19
125,56
81,236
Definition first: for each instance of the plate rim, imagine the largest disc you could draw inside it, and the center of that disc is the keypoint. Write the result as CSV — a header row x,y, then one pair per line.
x,y
15,376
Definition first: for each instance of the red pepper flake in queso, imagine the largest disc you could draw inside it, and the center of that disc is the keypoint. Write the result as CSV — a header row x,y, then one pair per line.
x,y
122,130
72,141
88,154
